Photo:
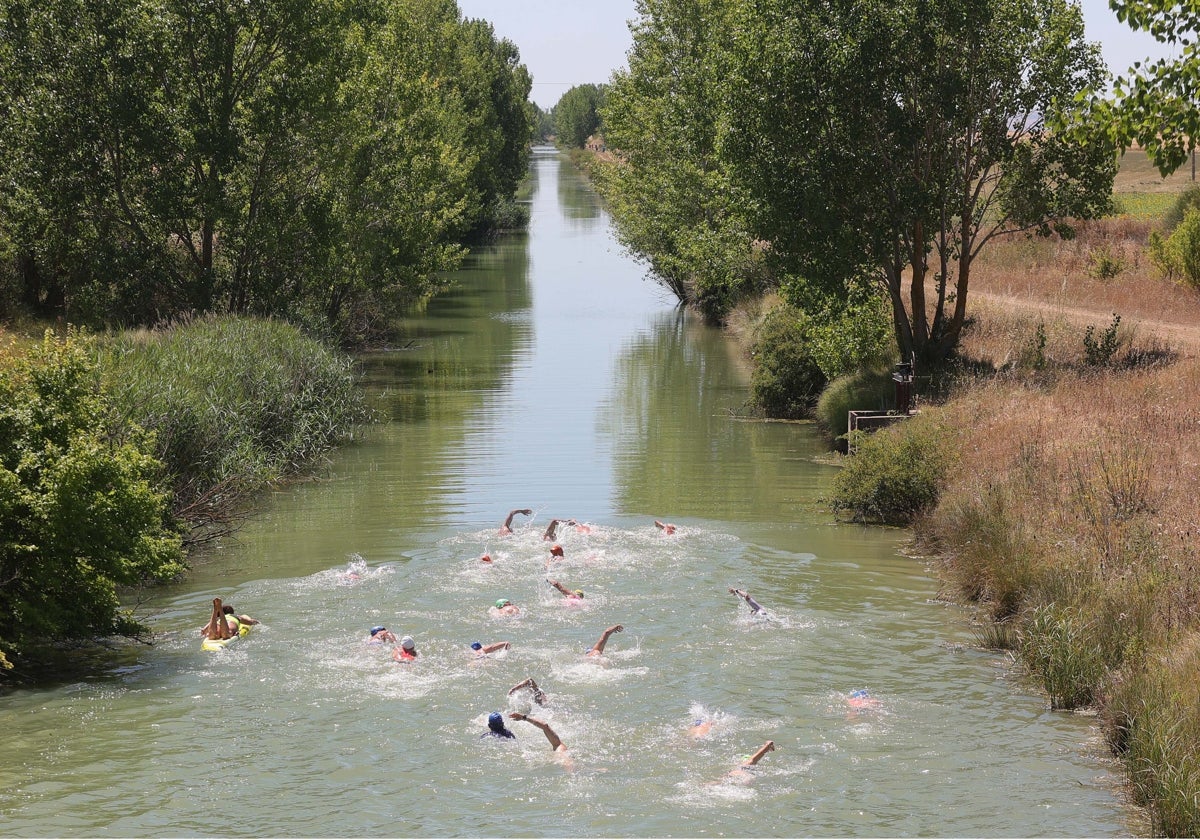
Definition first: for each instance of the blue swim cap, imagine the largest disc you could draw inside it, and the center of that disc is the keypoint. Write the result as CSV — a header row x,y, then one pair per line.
x,y
476,646
378,629
858,692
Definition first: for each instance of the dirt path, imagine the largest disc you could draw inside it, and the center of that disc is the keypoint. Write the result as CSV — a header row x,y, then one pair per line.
x,y
1179,335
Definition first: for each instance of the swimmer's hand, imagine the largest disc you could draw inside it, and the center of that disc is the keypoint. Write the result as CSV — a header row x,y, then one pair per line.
x,y
517,716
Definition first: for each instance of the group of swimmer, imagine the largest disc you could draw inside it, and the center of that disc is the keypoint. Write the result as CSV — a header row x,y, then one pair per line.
x,y
496,724
225,623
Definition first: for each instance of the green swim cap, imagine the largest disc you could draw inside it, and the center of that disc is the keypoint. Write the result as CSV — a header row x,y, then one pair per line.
x,y
500,602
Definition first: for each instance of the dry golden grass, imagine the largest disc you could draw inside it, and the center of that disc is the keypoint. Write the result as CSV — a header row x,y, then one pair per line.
x,y
1076,522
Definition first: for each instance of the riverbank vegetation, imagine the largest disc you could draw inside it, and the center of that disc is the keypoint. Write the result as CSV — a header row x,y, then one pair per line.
x,y
317,161
1051,473
223,181
120,452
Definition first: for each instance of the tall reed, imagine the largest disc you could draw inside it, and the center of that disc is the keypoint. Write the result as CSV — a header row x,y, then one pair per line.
x,y
235,404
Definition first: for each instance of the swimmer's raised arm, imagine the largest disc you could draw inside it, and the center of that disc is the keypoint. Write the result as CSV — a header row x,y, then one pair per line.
x,y
755,607
598,648
506,528
665,527
757,757
551,531
538,695
555,742
577,593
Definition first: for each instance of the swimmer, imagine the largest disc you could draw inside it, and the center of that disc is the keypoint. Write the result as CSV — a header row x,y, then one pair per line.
x,y
407,651
598,648
483,650
551,530
225,621
556,551
860,698
486,558
555,742
743,773
381,634
496,727
755,607
539,696
503,606
572,595
666,527
701,727
580,527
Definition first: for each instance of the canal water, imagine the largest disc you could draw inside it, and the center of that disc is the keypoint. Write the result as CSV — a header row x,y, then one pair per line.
x,y
555,376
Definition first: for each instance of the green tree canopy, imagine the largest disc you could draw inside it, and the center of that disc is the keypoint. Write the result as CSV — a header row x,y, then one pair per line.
x,y
898,137
1155,104
577,114
313,159
671,193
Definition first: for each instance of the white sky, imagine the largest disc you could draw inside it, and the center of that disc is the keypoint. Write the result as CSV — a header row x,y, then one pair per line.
x,y
573,42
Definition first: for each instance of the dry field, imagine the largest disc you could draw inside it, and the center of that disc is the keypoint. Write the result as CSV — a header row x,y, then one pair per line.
x,y
1020,282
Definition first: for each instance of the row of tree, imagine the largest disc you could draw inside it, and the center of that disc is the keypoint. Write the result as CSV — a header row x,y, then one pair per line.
x,y
830,146
312,159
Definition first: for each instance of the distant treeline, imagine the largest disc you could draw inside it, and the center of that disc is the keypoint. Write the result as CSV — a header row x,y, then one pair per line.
x,y
316,160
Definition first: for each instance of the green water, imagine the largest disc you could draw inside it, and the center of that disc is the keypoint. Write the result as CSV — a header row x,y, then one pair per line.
x,y
555,376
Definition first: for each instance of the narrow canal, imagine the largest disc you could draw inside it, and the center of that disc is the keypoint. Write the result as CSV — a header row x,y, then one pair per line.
x,y
556,377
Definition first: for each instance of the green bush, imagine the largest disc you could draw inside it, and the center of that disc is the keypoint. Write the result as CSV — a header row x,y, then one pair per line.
x,y
1178,255
865,390
786,381
235,404
1187,200
80,511
895,473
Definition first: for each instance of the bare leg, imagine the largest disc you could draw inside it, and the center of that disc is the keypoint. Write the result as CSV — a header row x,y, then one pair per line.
x,y
216,624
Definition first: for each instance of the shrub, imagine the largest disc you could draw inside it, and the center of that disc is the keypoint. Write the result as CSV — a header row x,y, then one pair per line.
x,y
80,512
895,473
1099,352
1178,255
1105,265
1187,200
786,380
235,404
865,390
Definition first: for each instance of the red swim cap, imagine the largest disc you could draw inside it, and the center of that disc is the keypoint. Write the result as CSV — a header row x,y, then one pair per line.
x,y
487,558
556,551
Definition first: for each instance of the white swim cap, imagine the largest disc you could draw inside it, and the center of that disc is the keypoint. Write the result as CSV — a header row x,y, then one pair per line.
x,y
407,643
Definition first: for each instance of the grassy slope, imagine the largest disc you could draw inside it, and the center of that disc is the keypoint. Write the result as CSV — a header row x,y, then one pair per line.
x,y
1076,526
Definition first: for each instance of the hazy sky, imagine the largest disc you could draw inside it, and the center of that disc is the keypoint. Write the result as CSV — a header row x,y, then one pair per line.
x,y
574,42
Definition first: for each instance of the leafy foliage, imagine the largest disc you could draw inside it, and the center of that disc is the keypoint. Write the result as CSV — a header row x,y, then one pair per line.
x,y
234,404
786,380
898,138
1178,255
895,473
314,159
80,512
577,114
1155,105
672,196
1098,352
